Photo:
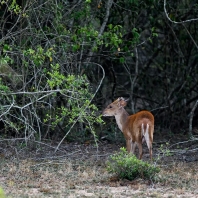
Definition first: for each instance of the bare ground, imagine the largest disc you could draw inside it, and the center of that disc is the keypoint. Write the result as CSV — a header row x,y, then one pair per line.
x,y
79,170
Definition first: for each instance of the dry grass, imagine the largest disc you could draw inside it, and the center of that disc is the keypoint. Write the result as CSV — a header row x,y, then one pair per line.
x,y
87,177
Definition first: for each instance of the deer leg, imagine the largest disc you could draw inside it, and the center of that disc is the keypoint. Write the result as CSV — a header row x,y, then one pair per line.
x,y
133,146
148,141
151,152
128,145
140,150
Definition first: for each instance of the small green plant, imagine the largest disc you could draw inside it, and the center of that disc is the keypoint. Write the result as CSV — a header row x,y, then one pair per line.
x,y
165,150
2,194
126,166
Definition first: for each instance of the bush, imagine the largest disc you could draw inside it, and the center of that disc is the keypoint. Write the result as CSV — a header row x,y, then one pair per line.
x,y
127,166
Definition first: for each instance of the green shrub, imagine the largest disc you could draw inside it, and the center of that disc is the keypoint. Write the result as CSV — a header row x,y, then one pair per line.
x,y
127,166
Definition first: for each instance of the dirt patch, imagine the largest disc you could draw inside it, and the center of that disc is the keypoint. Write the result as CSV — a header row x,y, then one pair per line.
x,y
79,170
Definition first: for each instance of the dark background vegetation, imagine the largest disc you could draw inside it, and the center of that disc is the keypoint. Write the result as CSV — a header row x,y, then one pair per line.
x,y
62,62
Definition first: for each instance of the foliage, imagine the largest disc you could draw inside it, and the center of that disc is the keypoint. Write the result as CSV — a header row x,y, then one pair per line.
x,y
78,97
52,50
2,194
127,166
74,90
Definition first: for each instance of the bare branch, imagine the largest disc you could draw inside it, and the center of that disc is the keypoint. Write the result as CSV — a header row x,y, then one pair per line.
x,y
176,22
74,123
191,119
109,4
134,79
190,36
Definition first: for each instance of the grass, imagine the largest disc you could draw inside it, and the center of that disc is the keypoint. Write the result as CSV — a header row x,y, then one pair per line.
x,y
84,175
181,176
50,179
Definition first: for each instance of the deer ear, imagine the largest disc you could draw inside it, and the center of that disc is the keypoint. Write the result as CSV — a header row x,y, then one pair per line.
x,y
122,102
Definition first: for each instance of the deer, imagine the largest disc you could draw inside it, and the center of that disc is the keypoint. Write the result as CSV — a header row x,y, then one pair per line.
x,y
136,128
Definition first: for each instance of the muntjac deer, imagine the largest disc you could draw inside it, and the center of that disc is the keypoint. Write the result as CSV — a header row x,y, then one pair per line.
x,y
136,128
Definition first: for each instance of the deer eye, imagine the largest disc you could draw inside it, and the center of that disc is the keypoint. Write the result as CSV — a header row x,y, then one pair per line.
x,y
110,107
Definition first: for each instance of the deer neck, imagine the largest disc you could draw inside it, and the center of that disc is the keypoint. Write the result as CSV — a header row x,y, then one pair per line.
x,y
121,118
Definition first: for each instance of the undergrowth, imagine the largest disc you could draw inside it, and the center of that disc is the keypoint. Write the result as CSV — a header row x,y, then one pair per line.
x,y
126,166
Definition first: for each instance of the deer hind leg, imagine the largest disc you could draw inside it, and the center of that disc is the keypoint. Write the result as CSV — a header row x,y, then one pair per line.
x,y
140,149
148,140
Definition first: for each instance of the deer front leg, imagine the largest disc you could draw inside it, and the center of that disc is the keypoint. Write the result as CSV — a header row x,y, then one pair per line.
x,y
130,146
133,146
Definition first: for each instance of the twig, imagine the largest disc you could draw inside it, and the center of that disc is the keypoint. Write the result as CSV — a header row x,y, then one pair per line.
x,y
35,92
190,36
109,4
10,106
182,142
189,20
134,79
84,107
191,119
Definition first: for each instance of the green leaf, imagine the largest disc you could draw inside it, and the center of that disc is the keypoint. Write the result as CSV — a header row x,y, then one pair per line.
x,y
122,60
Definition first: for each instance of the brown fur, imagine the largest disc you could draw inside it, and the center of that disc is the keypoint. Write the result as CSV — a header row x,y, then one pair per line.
x,y
131,125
